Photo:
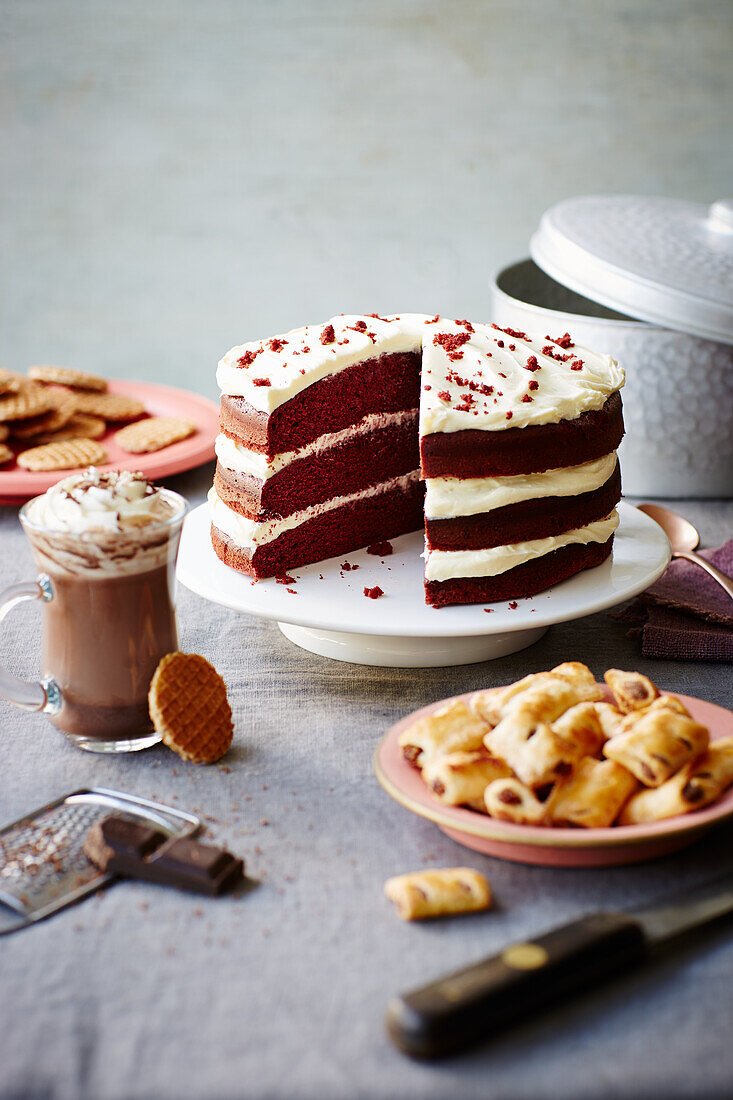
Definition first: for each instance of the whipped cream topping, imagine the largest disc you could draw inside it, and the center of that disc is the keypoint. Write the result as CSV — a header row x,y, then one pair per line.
x,y
268,373
443,565
250,533
92,501
233,455
478,376
450,497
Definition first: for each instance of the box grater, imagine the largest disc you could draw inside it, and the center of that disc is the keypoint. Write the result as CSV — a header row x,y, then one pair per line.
x,y
42,863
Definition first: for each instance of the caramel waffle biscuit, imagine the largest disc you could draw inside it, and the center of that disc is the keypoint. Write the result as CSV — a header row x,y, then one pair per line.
x,y
5,454
189,708
9,381
67,376
153,434
63,406
68,455
110,406
28,401
80,426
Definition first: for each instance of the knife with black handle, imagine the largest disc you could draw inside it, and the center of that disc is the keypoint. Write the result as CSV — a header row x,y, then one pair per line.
x,y
467,1007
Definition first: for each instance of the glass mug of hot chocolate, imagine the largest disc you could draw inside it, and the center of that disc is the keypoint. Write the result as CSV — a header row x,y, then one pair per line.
x,y
105,546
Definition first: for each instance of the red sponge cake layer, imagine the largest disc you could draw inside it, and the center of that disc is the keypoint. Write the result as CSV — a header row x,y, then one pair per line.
x,y
525,580
337,531
387,383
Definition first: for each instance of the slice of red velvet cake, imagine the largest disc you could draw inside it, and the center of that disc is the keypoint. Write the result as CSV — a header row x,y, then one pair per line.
x,y
518,452
318,451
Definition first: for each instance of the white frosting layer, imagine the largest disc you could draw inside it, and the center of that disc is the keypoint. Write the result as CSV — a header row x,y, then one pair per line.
x,y
450,497
250,533
443,565
268,373
284,365
235,456
452,376
92,501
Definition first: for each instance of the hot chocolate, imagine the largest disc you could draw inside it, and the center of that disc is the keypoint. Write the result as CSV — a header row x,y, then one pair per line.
x,y
107,544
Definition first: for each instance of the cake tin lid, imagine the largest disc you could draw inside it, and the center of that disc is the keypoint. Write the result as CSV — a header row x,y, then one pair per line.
x,y
661,260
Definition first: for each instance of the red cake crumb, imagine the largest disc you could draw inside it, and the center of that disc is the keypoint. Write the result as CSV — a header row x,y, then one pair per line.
x,y
500,343
550,352
373,593
261,382
534,384
248,358
291,591
513,605
433,320
526,397
577,366
276,344
565,341
444,395
513,332
488,610
285,579
305,350
451,342
509,415
347,566
532,363
380,549
328,335
466,324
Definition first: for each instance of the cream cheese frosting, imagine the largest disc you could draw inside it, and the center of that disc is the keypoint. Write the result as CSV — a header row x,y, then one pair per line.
x,y
473,375
251,533
443,565
233,455
267,373
451,497
478,376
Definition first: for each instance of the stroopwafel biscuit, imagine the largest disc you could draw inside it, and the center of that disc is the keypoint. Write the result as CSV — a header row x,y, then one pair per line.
x,y
69,455
80,426
111,406
5,454
63,406
189,708
153,434
67,376
28,401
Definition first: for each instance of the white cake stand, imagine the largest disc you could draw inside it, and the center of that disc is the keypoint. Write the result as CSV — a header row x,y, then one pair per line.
x,y
327,613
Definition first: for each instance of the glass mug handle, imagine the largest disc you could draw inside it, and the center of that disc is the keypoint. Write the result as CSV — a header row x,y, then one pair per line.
x,y
43,695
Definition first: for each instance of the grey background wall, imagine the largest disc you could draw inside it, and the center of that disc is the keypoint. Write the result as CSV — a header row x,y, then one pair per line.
x,y
178,176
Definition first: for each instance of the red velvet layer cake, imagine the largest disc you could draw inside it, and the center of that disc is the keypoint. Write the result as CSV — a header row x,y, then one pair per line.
x,y
320,452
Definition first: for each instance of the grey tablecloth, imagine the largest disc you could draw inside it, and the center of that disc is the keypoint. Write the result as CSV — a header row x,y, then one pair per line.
x,y
143,992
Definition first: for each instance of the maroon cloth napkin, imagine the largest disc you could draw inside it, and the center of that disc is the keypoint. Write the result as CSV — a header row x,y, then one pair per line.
x,y
685,615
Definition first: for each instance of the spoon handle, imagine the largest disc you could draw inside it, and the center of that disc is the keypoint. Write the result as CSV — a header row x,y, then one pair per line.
x,y
723,581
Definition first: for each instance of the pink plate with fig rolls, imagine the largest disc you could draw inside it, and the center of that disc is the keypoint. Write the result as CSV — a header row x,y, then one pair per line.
x,y
545,845
18,485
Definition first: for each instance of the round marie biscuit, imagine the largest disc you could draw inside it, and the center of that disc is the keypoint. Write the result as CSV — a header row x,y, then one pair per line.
x,y
67,376
111,406
189,708
69,455
153,434
30,401
5,454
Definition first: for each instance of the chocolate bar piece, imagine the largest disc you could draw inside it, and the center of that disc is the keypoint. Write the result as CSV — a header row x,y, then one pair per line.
x,y
124,847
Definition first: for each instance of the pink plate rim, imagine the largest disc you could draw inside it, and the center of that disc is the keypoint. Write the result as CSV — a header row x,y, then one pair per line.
x,y
17,486
403,783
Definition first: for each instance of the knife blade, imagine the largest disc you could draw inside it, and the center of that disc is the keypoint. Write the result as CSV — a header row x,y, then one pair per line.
x,y
463,1008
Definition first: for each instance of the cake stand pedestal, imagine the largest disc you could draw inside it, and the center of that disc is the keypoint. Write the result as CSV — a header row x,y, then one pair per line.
x,y
322,607
394,652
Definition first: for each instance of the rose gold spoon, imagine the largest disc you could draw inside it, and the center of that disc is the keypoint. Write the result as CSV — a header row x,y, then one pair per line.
x,y
684,538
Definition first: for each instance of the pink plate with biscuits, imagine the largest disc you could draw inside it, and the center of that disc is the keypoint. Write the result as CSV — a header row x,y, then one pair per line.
x,y
545,845
18,485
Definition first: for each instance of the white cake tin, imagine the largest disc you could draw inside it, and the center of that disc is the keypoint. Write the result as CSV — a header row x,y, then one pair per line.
x,y
650,282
